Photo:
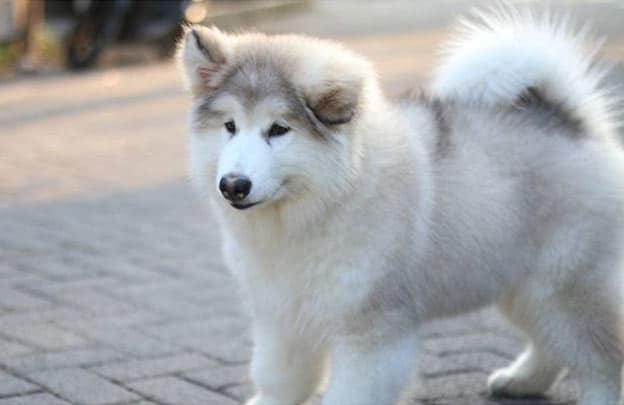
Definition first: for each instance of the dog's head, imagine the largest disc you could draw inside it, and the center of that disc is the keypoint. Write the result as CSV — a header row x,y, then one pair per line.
x,y
274,117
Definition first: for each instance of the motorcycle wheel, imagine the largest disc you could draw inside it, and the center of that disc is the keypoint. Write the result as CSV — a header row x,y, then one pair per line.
x,y
83,47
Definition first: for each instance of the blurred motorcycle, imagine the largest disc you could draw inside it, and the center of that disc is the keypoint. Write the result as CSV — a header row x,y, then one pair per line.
x,y
102,23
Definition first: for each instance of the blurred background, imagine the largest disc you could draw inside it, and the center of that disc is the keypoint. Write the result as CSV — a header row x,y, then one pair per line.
x,y
47,35
112,288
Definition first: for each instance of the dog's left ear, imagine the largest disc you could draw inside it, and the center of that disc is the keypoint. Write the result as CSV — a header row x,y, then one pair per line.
x,y
334,102
202,54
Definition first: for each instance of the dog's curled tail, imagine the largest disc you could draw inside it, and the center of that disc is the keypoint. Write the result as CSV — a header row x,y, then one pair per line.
x,y
501,56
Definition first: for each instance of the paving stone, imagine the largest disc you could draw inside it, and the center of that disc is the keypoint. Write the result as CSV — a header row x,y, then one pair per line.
x,y
241,392
10,349
89,325
83,356
142,368
172,390
82,387
431,367
220,376
133,342
478,343
51,315
11,385
97,303
46,336
58,289
228,349
451,386
8,271
221,325
484,362
59,268
169,298
34,399
229,341
13,299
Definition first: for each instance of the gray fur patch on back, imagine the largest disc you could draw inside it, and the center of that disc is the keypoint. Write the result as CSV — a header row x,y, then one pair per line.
x,y
440,113
551,114
443,139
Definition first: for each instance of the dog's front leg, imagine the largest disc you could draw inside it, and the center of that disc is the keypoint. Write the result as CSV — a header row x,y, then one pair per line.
x,y
285,369
371,370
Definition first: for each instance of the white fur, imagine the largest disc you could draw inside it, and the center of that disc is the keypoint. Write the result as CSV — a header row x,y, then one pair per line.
x,y
365,236
497,55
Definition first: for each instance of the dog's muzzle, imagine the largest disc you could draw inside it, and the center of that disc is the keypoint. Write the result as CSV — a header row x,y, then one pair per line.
x,y
234,187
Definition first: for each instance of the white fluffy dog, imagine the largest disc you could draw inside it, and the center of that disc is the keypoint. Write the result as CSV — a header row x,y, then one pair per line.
x,y
350,220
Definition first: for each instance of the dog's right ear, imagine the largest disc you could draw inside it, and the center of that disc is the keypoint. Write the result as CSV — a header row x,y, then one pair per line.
x,y
202,54
334,102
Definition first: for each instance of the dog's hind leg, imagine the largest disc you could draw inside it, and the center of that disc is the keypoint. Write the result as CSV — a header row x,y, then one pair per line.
x,y
574,329
531,374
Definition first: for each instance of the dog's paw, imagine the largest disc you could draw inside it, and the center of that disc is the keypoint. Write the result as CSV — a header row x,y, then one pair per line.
x,y
255,400
505,382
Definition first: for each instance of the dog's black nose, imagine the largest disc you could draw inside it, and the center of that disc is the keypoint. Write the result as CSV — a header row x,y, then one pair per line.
x,y
234,187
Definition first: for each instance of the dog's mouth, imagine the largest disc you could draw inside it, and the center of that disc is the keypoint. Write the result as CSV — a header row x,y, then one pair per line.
x,y
240,206
279,192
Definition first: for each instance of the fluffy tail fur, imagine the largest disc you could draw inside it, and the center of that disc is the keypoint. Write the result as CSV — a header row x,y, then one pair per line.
x,y
495,57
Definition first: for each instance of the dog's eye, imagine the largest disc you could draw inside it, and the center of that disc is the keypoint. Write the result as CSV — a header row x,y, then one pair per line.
x,y
230,126
277,130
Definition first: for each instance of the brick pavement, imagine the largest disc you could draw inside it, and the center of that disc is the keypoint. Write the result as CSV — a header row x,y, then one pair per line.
x,y
112,289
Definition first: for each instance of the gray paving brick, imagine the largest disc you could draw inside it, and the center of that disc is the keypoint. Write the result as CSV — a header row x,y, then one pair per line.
x,y
232,349
217,325
13,299
142,368
133,342
20,280
54,313
219,376
11,385
431,366
10,349
63,289
34,399
82,387
8,271
241,392
169,298
56,268
87,324
485,362
229,340
82,356
172,390
172,307
97,303
484,342
46,336
451,386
